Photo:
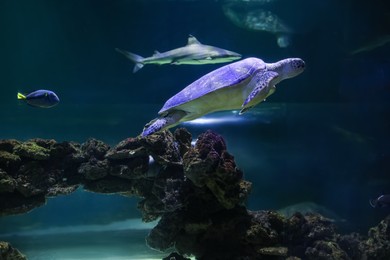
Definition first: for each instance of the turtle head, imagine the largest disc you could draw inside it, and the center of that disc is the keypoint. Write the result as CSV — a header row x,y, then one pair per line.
x,y
287,68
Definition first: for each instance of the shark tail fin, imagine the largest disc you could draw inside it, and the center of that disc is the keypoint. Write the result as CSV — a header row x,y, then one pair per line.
x,y
134,58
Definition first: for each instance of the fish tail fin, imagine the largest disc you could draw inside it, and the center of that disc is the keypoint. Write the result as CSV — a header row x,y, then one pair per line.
x,y
21,96
134,58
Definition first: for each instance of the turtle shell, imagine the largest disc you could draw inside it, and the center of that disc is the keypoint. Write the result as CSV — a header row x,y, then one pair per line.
x,y
224,77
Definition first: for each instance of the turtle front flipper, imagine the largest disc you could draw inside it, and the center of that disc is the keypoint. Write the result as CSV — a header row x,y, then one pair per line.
x,y
164,122
263,88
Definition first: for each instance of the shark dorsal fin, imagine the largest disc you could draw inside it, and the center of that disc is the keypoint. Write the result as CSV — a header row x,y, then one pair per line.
x,y
192,40
156,52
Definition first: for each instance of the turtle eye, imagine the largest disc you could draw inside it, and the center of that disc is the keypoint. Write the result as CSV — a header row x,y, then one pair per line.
x,y
299,64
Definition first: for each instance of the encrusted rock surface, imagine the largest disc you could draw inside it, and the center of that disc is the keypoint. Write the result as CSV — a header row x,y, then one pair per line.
x,y
197,192
209,165
7,252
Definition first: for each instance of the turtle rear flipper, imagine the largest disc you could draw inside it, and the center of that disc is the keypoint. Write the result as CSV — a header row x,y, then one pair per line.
x,y
167,121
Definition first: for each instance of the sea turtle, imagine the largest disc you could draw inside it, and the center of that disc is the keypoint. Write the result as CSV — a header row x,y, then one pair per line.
x,y
240,85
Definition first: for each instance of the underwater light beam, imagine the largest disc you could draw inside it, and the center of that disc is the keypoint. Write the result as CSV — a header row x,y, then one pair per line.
x,y
214,120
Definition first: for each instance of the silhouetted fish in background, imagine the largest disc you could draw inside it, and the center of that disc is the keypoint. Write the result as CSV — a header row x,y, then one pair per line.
x,y
381,202
259,20
194,53
285,19
308,207
40,98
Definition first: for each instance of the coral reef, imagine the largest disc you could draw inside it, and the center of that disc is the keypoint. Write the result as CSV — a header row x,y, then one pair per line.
x,y
197,193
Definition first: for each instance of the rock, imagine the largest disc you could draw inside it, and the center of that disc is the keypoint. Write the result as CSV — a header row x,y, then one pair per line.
x,y
7,183
325,250
9,162
209,164
195,228
351,244
127,149
94,148
32,179
172,195
311,227
184,139
67,157
166,194
16,203
45,143
109,186
264,228
61,189
377,246
273,251
218,235
69,152
163,236
94,169
7,252
312,236
134,168
198,193
209,142
163,148
151,208
28,190
8,145
202,161
32,150
175,256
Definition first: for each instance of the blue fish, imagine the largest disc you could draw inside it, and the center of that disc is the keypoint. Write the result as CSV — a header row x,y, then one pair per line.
x,y
40,98
381,202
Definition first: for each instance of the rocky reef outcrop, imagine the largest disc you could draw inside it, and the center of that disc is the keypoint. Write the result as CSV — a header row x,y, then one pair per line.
x,y
196,192
8,252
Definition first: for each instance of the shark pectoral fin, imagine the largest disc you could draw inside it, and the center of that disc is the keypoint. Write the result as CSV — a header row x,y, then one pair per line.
x,y
262,83
137,67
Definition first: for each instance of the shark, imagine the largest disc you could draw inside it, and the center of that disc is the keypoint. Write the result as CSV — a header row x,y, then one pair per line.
x,y
194,53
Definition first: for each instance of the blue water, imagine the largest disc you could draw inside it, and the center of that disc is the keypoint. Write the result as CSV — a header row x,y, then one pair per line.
x,y
82,225
321,138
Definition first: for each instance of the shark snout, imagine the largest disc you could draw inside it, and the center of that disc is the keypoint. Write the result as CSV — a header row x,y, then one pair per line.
x,y
231,56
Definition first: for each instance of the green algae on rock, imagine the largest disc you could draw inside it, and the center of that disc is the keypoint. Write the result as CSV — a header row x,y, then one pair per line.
x,y
32,150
